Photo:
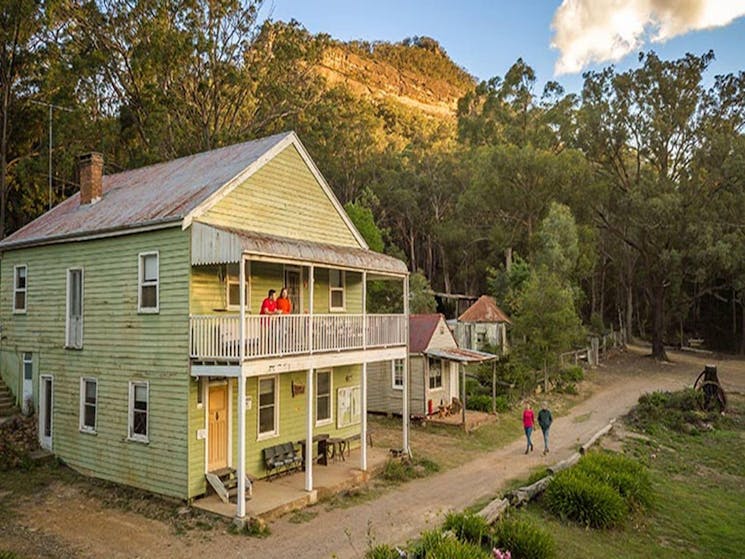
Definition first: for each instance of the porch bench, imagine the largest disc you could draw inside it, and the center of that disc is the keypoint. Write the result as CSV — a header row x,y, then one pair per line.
x,y
281,458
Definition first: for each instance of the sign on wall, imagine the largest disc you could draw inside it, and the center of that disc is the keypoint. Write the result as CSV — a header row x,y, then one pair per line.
x,y
348,406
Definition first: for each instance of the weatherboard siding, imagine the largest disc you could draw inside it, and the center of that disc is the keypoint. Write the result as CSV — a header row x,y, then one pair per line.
x,y
283,198
119,345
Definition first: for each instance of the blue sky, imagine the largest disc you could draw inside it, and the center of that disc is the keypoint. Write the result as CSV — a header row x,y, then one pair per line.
x,y
486,37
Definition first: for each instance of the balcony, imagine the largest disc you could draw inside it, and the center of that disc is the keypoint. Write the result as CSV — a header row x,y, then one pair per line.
x,y
217,338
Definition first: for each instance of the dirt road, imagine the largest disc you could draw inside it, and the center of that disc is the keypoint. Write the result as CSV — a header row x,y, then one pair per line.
x,y
395,517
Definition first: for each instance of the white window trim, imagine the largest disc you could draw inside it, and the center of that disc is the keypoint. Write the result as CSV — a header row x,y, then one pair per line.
x,y
140,274
393,374
68,345
430,377
236,280
131,436
16,289
82,426
268,434
343,289
330,419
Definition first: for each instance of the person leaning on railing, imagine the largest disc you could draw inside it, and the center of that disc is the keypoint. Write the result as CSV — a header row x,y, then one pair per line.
x,y
284,305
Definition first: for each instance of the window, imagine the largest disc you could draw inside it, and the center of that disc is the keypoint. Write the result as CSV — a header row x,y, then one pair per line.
x,y
397,373
88,403
336,290
268,407
232,279
28,366
349,406
148,291
74,325
435,373
323,397
139,411
19,288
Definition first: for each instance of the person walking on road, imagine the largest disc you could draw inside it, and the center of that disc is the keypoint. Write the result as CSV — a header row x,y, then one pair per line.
x,y
528,422
545,419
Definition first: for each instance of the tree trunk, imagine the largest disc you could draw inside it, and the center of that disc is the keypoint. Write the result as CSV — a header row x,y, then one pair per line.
x,y
545,376
508,258
658,330
629,311
742,329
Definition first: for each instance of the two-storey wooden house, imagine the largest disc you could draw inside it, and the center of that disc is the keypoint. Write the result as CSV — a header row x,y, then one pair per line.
x,y
130,317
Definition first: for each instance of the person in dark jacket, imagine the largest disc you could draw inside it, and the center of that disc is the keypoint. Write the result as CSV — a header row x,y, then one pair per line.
x,y
545,419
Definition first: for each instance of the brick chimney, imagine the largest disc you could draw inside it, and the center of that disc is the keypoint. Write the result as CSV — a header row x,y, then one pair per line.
x,y
90,172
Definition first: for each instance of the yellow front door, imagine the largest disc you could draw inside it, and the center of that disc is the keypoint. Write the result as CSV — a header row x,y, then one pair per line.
x,y
217,436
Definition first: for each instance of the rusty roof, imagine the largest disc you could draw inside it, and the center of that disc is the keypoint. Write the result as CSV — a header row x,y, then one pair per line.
x,y
421,329
236,241
148,196
485,309
461,355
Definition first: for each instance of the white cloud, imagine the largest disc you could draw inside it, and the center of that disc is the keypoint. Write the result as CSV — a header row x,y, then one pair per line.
x,y
589,31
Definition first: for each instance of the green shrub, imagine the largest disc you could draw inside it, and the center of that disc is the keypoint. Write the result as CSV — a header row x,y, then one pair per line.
x,y
678,411
480,402
523,539
400,470
502,404
8,555
467,527
382,552
567,388
574,496
572,373
629,477
444,545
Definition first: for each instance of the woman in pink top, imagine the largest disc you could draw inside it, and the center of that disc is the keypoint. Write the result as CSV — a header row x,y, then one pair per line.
x,y
528,421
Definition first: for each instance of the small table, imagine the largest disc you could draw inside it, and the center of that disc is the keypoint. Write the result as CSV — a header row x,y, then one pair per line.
x,y
335,448
321,456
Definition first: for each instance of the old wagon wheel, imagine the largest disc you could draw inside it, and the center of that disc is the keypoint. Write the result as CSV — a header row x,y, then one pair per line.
x,y
708,383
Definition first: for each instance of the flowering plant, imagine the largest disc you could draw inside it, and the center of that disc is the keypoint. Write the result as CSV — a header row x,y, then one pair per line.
x,y
499,554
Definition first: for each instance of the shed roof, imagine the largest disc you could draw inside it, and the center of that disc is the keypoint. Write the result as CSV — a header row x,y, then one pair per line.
x,y
232,242
485,309
421,329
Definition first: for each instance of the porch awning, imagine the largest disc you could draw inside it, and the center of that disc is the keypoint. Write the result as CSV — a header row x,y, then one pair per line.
x,y
461,355
222,245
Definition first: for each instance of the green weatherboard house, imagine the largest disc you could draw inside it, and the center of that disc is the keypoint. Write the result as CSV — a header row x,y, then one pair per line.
x,y
130,318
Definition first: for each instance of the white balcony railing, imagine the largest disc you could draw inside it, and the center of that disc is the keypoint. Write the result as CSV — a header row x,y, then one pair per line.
x,y
218,337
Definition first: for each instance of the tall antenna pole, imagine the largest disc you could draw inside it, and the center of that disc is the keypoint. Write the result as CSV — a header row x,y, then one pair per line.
x,y
51,107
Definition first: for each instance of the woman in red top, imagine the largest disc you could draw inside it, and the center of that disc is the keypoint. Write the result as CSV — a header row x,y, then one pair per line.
x,y
528,422
284,305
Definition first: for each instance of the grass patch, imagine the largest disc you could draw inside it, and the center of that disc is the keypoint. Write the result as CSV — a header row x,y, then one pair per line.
x,y
582,418
253,528
303,515
698,479
400,470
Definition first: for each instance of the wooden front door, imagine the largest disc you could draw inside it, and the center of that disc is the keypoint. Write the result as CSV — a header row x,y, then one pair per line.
x,y
292,282
217,437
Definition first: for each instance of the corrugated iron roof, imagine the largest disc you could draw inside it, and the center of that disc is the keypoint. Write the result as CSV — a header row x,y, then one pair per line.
x,y
421,329
461,355
257,243
484,310
156,194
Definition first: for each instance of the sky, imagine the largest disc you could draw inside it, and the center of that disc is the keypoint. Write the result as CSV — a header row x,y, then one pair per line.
x,y
560,40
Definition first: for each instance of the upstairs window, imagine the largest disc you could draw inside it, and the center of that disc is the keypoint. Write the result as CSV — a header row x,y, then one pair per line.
x,y
139,411
88,404
435,373
74,325
148,284
397,373
19,288
336,290
232,279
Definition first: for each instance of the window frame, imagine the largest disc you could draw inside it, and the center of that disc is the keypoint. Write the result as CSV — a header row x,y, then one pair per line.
x,y
82,426
261,436
342,289
17,289
140,282
68,344
394,384
430,377
330,419
235,280
131,435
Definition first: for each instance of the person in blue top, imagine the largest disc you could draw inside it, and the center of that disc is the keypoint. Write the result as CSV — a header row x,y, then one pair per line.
x,y
545,419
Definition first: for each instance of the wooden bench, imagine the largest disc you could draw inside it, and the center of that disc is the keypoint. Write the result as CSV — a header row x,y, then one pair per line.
x,y
281,458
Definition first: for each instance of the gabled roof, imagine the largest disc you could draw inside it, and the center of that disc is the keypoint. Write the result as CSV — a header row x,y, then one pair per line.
x,y
164,194
421,329
485,309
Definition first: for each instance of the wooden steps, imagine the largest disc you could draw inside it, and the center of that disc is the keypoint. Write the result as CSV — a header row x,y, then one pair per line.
x,y
7,401
225,483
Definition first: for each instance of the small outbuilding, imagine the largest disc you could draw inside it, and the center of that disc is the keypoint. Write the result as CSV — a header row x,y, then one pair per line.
x,y
482,325
435,374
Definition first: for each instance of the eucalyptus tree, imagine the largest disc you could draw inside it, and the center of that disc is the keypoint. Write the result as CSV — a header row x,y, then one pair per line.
x,y
650,131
